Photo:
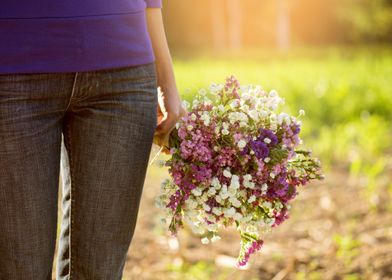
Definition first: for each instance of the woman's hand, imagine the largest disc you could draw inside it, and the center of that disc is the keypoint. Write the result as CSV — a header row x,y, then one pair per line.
x,y
169,111
170,108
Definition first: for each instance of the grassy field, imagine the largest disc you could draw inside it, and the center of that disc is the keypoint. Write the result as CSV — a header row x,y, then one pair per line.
x,y
340,228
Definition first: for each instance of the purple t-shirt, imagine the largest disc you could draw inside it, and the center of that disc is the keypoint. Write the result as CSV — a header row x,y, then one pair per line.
x,y
72,35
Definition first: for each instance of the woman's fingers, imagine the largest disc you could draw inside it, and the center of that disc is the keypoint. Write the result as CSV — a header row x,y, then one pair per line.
x,y
162,142
164,125
169,116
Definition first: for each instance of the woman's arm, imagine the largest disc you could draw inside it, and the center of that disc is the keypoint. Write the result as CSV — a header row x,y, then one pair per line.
x,y
170,107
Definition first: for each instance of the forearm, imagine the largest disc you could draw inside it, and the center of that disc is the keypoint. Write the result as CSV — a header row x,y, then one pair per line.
x,y
163,60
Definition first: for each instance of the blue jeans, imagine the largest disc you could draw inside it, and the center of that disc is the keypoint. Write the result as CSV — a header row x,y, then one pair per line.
x,y
96,127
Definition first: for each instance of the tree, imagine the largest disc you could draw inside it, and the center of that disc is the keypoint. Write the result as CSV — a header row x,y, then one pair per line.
x,y
235,23
282,25
369,19
218,24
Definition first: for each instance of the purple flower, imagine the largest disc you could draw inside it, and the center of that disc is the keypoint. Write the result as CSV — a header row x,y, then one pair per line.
x,y
260,148
266,133
254,247
280,217
296,129
200,173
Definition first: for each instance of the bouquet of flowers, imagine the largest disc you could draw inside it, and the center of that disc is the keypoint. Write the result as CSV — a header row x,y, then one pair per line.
x,y
234,161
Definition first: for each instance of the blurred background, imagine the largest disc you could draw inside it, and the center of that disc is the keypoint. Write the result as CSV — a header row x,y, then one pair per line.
x,y
332,58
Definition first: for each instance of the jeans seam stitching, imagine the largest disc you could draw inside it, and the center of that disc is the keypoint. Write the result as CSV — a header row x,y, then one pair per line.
x,y
72,91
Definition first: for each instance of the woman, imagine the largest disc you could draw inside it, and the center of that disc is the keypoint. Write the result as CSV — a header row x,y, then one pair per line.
x,y
85,72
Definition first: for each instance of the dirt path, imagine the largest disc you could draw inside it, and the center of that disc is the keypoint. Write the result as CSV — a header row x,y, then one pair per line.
x,y
332,234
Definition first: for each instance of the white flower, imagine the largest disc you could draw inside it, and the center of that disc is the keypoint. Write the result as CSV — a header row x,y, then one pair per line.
x,y
225,132
186,104
282,117
229,212
241,144
264,187
247,181
226,173
206,118
243,124
206,207
252,198
216,211
205,240
267,204
245,108
221,108
202,91
237,116
235,202
254,114
196,192
189,127
242,116
272,175
273,93
190,203
211,191
223,194
263,114
249,185
159,202
234,104
204,197
278,205
232,191
245,96
273,126
267,140
193,117
215,238
242,193
246,219
301,112
215,183
215,87
212,227
237,216
235,181
269,221
267,159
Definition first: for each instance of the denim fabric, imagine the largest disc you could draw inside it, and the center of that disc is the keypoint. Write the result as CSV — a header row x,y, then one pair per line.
x,y
96,128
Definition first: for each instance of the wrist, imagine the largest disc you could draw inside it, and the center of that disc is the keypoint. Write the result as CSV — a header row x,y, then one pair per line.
x,y
167,83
